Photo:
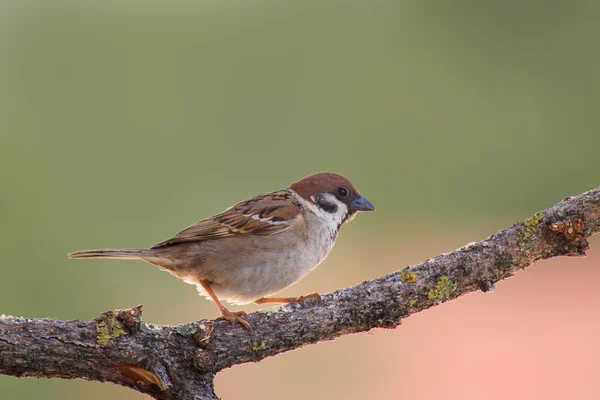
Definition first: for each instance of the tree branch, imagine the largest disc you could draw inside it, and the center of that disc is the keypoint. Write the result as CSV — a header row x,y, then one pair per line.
x,y
180,362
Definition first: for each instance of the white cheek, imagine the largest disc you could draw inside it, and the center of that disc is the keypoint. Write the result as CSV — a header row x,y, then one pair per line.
x,y
335,218
342,211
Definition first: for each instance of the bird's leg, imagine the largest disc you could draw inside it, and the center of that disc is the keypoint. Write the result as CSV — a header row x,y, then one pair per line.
x,y
287,300
231,316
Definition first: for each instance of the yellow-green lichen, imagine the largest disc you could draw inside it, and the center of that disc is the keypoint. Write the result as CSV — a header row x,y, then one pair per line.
x,y
412,302
258,346
442,290
108,329
530,225
408,276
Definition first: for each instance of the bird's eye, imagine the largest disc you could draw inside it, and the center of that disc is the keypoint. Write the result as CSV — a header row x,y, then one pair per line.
x,y
343,192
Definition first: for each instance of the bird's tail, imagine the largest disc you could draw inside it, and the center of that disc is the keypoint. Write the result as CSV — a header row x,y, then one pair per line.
x,y
111,253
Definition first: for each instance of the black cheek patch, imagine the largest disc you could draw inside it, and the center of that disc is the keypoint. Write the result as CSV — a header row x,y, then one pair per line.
x,y
325,206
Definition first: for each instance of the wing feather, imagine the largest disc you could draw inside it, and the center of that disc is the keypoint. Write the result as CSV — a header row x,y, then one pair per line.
x,y
267,214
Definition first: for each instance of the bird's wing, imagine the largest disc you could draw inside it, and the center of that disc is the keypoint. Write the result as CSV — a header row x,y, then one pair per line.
x,y
266,214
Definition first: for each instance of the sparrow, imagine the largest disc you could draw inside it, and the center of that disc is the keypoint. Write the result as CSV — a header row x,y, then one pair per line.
x,y
258,247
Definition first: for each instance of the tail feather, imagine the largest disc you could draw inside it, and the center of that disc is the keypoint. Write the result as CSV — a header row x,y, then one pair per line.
x,y
110,253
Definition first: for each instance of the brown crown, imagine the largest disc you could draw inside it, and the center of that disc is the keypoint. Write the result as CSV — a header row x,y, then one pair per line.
x,y
321,182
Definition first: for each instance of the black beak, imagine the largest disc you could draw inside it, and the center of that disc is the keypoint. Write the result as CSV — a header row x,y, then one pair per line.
x,y
362,204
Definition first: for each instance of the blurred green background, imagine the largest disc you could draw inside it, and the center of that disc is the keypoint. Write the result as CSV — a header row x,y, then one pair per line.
x,y
122,122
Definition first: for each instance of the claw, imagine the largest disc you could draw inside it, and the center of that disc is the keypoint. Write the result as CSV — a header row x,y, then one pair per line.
x,y
311,296
236,316
232,317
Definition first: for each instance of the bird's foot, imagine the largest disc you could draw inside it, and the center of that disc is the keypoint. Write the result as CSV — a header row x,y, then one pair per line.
x,y
236,316
310,297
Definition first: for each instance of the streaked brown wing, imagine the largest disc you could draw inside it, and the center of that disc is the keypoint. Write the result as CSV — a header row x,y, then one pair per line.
x,y
267,214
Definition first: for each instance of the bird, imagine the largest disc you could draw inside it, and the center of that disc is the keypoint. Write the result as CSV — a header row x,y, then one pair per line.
x,y
257,247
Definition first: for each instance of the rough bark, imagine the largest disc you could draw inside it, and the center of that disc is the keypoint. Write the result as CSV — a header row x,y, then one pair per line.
x,y
180,362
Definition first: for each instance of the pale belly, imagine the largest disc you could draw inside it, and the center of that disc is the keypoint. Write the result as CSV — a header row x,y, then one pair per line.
x,y
268,275
262,267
